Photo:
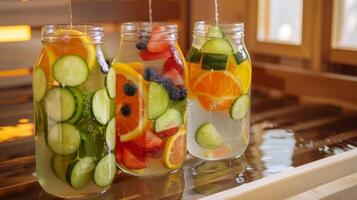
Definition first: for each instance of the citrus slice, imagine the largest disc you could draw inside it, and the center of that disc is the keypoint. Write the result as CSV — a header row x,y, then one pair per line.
x,y
216,90
242,71
175,150
131,114
72,42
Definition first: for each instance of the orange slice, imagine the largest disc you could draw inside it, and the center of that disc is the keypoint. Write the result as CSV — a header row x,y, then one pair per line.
x,y
216,90
175,150
132,124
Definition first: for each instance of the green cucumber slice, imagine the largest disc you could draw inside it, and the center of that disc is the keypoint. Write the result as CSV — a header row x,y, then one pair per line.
x,y
158,100
87,105
217,46
60,104
60,165
240,107
63,139
215,32
172,118
194,55
208,137
110,134
181,106
101,106
70,70
79,102
91,145
214,61
105,170
111,82
39,84
79,173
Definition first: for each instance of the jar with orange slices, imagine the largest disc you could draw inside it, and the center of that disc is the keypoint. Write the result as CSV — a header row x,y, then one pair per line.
x,y
151,99
73,94
219,81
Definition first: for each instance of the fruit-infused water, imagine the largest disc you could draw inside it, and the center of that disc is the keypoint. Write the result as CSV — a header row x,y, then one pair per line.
x,y
219,92
151,99
74,92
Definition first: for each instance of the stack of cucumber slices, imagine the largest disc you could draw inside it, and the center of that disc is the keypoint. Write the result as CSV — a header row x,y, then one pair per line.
x,y
82,131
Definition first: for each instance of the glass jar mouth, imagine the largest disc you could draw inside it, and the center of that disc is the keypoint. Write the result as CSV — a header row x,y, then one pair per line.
x,y
137,30
234,30
87,33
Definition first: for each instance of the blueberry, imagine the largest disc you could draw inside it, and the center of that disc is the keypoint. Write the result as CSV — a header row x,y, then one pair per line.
x,y
150,74
129,89
125,110
174,93
141,45
167,83
182,93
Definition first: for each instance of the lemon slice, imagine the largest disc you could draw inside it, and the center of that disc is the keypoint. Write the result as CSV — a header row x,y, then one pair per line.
x,y
244,73
175,150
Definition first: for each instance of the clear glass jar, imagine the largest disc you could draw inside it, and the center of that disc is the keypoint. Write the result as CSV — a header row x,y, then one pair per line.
x,y
151,99
74,92
219,84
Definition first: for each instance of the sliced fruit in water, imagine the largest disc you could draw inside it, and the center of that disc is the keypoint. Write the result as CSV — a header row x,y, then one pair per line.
x,y
174,62
131,109
70,70
168,132
63,139
101,106
110,135
105,170
175,150
213,61
133,157
158,100
194,55
149,141
39,84
170,119
79,102
80,172
145,55
175,76
60,104
158,41
240,107
216,90
208,137
92,144
215,54
215,32
111,83
244,73
60,164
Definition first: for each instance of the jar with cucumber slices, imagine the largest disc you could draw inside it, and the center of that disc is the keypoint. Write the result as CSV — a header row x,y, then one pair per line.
x,y
74,103
219,84
151,99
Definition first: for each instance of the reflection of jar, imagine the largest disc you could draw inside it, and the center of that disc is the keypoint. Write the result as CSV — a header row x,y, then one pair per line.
x,y
151,99
219,92
73,89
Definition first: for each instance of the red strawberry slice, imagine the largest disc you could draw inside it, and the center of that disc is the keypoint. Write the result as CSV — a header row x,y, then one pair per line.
x,y
158,41
131,161
175,76
174,61
147,56
149,141
168,132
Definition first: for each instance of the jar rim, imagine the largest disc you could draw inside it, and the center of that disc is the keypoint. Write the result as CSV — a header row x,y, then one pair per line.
x,y
134,30
94,33
235,30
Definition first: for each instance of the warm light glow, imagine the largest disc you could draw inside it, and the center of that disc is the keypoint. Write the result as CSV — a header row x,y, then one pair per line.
x,y
15,72
13,132
15,33
23,121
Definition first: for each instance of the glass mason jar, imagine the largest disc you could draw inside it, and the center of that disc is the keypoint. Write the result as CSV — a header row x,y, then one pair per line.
x,y
151,99
219,92
73,93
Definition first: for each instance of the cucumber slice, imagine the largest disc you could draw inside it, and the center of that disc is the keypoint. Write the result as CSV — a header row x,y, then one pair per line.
x,y
70,70
217,46
104,172
39,84
208,137
60,165
111,82
110,134
240,107
79,102
181,106
60,104
240,55
194,55
87,105
172,118
79,173
214,61
63,139
215,32
101,106
91,145
158,100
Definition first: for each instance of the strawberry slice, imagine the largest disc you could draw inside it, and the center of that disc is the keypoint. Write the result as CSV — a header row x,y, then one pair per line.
x,y
158,41
132,161
149,141
168,132
147,56
175,76
174,61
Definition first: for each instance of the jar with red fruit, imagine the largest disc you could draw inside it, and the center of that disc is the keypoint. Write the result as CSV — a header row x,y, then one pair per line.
x,y
151,99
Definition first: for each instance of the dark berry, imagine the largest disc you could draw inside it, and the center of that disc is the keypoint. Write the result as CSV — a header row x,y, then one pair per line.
x,y
129,89
182,93
167,83
125,110
150,74
174,93
141,45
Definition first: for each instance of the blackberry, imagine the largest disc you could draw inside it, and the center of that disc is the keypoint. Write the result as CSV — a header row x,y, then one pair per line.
x,y
150,74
